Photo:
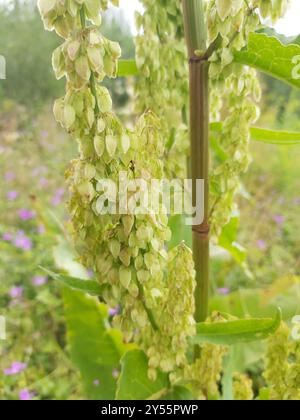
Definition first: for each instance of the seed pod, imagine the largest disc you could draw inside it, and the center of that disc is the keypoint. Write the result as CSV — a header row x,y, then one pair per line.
x,y
111,145
99,145
69,116
73,49
82,68
115,248
224,8
125,277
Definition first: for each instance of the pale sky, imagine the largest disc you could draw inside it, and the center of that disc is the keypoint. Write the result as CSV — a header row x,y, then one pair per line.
x,y
288,26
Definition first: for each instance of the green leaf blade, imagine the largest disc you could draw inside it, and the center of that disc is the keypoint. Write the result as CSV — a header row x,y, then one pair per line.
x,y
275,137
95,348
237,331
134,383
228,241
269,55
90,287
264,135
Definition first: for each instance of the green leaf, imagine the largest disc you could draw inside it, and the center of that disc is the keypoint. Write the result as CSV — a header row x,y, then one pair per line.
x,y
228,240
264,135
127,68
65,259
95,348
216,147
178,393
237,331
87,286
134,383
275,137
270,56
180,231
282,38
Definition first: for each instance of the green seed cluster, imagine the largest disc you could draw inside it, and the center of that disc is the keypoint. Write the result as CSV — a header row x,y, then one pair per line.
x,y
293,382
84,54
64,16
163,86
205,373
281,375
126,250
235,91
242,387
166,348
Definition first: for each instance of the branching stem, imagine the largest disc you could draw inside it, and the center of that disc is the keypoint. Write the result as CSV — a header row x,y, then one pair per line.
x,y
195,32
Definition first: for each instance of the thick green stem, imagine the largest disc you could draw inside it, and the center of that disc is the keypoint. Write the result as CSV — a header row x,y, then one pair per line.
x,y
195,31
194,26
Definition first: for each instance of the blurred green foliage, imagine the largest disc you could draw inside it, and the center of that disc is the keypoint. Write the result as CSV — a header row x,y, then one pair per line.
x,y
33,157
27,48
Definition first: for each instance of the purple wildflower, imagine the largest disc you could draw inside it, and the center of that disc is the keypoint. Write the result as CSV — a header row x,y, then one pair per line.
x,y
39,170
45,133
55,201
224,291
114,311
23,242
25,395
16,292
15,368
115,373
57,198
25,214
39,280
41,229
96,382
90,273
262,245
7,237
9,176
43,182
279,219
12,195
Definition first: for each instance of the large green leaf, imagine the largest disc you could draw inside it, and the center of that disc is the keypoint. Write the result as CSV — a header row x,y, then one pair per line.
x,y
264,135
127,68
87,286
134,383
95,348
269,55
286,40
237,331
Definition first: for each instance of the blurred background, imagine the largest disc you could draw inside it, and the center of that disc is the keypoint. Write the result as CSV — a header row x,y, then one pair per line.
x,y
34,154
